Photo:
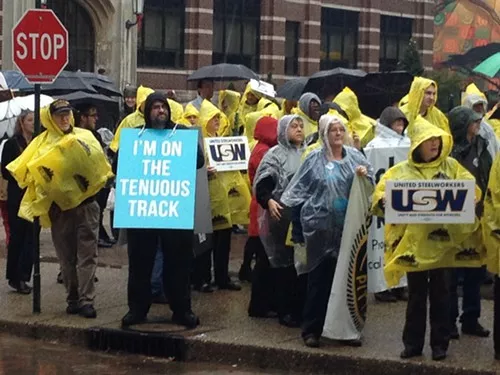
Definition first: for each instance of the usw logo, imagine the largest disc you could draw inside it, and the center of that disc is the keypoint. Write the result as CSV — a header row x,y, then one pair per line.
x,y
428,200
228,152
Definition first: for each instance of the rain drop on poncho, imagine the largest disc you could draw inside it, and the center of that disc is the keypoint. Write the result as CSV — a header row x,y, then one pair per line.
x,y
321,189
420,247
280,163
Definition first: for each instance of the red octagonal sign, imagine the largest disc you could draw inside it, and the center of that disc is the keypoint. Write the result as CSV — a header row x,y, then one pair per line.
x,y
40,46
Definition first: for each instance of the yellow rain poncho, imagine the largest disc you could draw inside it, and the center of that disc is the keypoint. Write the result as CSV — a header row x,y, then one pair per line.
x,y
229,193
358,123
244,108
189,111
59,168
228,103
491,219
412,108
176,109
133,120
265,108
419,247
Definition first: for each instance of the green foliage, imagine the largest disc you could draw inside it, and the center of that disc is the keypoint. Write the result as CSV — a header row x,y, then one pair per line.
x,y
411,59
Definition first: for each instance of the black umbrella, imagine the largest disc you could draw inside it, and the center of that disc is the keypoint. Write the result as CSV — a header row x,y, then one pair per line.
x,y
223,72
330,82
108,108
101,83
292,89
473,56
381,89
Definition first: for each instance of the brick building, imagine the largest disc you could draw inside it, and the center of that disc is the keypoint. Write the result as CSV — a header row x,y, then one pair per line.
x,y
284,37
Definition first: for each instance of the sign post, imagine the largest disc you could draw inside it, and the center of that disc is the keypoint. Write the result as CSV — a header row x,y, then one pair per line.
x,y
40,51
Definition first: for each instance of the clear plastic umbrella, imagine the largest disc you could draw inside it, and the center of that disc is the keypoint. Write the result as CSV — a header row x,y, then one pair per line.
x,y
9,111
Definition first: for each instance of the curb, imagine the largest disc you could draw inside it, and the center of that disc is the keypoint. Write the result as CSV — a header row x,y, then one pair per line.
x,y
194,349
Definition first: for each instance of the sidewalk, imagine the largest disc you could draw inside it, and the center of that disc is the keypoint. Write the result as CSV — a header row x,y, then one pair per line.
x,y
228,335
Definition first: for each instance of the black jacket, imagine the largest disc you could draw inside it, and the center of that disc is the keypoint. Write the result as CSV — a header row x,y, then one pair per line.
x,y
11,151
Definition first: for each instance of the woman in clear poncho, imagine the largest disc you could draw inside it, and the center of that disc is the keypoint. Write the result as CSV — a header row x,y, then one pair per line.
x,y
273,175
318,194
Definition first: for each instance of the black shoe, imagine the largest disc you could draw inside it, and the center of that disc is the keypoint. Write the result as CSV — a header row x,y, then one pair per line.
x,y
21,287
59,278
401,294
245,274
407,353
454,335
311,341
231,285
354,343
475,330
497,356
205,288
112,241
187,319
88,311
131,319
96,280
72,308
289,321
104,244
239,230
385,296
438,354
160,299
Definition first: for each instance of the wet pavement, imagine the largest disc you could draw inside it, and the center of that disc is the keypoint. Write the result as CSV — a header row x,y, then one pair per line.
x,y
226,334
29,357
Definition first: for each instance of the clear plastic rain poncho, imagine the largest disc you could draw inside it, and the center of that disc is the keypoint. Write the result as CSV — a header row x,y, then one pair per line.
x,y
280,163
321,188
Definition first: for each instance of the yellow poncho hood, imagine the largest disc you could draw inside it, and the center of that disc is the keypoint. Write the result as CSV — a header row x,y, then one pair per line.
x,y
133,120
358,123
59,168
244,108
412,108
207,112
491,219
420,247
177,112
189,111
231,99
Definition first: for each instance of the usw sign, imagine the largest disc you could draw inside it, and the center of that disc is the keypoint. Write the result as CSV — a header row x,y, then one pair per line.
x,y
228,153
430,202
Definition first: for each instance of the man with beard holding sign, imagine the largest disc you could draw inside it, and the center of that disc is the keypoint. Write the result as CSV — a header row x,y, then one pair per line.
x,y
176,245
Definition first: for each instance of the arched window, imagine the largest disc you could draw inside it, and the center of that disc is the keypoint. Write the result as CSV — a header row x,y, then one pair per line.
x,y
81,33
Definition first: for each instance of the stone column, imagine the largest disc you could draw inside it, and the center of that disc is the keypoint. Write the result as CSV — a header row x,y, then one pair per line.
x,y
369,36
199,34
272,38
423,32
310,39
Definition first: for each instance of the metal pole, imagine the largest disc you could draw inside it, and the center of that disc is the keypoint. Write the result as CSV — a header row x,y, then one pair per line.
x,y
36,225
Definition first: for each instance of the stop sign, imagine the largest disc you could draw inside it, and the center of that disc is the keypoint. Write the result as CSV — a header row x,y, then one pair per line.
x,y
40,46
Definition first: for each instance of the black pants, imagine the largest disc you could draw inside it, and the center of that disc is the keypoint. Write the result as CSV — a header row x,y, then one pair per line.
x,y
290,292
435,284
102,200
20,249
471,301
319,285
249,252
262,299
496,316
221,241
177,261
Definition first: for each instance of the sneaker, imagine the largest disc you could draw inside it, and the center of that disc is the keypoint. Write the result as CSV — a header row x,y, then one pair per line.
x,y
231,285
187,319
475,330
72,308
104,244
385,296
131,319
88,311
21,287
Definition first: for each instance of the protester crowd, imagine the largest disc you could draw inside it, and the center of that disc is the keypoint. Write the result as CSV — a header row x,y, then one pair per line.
x,y
293,199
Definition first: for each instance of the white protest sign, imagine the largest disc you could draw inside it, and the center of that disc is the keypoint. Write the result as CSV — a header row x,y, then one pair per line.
x,y
381,159
430,202
263,87
228,153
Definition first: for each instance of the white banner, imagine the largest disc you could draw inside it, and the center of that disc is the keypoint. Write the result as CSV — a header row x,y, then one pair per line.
x,y
430,202
381,159
228,153
346,314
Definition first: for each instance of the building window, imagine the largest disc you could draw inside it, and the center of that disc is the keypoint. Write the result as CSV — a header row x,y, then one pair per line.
x,y
161,38
395,33
339,38
81,34
236,32
292,48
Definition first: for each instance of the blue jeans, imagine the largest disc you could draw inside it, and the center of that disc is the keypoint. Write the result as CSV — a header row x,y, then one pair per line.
x,y
157,274
471,301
